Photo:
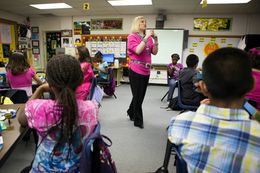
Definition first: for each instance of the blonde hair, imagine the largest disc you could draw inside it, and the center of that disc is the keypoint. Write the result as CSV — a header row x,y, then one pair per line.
x,y
135,24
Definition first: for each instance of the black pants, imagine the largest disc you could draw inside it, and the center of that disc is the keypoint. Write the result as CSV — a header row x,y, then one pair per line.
x,y
138,85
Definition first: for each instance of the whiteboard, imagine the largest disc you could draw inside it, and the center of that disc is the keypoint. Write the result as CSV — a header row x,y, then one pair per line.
x,y
170,41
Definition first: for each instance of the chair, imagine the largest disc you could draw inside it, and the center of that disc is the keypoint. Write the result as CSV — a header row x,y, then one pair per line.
x,y
168,78
15,95
92,88
181,166
109,84
182,105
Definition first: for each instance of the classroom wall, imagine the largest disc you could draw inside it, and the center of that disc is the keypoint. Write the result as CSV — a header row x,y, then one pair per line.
x,y
12,17
241,25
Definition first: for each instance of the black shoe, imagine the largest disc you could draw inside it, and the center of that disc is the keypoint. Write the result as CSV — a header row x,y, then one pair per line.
x,y
27,169
140,125
130,116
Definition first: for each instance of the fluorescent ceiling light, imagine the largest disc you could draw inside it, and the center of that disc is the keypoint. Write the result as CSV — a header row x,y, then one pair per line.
x,y
226,1
51,6
130,2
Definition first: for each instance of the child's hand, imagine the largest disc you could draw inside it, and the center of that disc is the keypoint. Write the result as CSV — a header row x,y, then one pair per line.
x,y
205,101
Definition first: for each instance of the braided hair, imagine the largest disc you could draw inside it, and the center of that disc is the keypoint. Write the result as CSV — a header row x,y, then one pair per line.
x,y
64,74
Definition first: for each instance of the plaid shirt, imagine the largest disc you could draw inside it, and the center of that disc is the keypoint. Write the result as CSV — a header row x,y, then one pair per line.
x,y
217,140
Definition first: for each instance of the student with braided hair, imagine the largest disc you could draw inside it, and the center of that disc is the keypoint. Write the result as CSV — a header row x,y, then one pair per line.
x,y
62,124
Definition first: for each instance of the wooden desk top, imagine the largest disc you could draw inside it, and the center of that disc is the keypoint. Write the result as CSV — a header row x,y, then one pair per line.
x,y
11,136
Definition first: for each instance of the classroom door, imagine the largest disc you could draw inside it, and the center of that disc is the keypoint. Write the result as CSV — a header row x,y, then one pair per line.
x,y
53,40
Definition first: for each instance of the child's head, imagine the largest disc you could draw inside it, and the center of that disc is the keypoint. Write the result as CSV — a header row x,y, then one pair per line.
x,y
175,58
83,54
99,56
63,71
192,61
64,75
255,58
17,63
227,74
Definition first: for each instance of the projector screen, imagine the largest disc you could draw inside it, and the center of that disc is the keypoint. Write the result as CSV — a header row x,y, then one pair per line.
x,y
170,41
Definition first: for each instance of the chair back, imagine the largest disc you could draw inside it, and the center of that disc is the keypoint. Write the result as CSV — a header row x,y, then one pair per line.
x,y
92,88
15,95
181,105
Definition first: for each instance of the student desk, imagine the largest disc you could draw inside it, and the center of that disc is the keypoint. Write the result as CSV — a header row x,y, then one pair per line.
x,y
11,136
118,74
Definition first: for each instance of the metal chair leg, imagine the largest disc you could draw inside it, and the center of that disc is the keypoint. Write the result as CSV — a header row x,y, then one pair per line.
x,y
164,96
164,168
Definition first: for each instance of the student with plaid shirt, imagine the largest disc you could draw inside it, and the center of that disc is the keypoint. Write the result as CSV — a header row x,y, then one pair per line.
x,y
219,136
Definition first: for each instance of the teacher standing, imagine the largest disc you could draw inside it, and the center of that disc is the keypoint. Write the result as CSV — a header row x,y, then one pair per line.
x,y
140,45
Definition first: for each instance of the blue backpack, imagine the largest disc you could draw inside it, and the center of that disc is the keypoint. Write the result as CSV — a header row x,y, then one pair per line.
x,y
96,157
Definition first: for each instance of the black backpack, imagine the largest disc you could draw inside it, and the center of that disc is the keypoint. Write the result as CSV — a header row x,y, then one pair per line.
x,y
173,104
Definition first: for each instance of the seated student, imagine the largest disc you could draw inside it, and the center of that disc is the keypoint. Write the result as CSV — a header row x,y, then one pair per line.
x,y
62,124
219,136
187,77
254,94
82,54
102,67
173,70
20,74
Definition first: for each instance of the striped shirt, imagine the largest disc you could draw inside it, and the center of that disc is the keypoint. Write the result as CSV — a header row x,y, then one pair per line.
x,y
217,140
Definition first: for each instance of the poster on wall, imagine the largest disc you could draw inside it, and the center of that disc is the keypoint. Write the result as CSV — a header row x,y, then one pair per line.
x,y
5,32
82,28
212,24
6,50
66,33
35,33
203,46
106,44
107,24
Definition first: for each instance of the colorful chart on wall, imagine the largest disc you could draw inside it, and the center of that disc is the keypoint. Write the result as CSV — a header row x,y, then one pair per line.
x,y
106,44
204,45
7,40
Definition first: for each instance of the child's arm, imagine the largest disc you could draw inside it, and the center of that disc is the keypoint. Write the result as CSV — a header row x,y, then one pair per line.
x,y
36,95
38,80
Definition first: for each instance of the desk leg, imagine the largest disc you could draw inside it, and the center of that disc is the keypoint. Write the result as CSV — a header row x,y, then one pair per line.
x,y
118,75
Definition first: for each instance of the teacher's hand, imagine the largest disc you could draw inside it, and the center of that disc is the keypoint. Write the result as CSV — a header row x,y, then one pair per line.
x,y
154,35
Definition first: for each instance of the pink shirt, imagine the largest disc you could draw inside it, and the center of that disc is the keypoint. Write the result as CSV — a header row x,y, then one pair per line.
x,y
133,40
254,94
20,80
83,90
41,114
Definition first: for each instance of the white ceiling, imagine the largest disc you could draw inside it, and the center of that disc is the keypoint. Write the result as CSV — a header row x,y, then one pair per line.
x,y
102,7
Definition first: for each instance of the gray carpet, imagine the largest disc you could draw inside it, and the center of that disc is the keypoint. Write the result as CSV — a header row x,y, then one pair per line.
x,y
134,150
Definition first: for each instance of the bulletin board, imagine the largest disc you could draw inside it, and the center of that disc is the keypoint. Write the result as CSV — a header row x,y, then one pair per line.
x,y
106,44
202,45
8,38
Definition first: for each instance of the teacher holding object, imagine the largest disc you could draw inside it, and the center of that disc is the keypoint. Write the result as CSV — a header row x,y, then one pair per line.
x,y
140,45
